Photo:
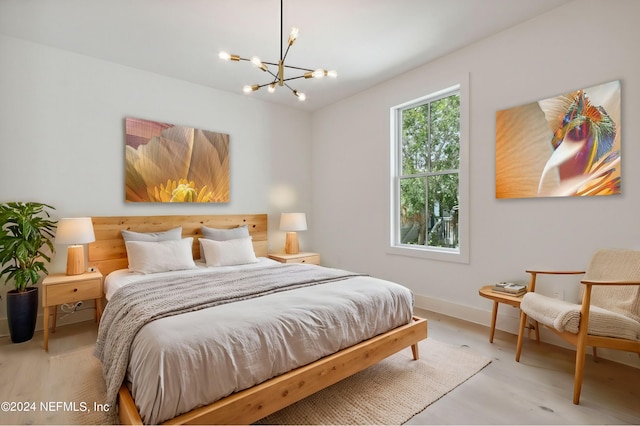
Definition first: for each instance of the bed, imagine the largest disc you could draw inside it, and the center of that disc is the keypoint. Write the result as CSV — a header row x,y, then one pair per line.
x,y
271,386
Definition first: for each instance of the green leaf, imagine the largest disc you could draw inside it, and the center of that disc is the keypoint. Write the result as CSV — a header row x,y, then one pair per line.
x,y
25,228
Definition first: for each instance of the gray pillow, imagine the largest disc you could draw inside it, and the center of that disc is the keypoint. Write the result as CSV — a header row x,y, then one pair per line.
x,y
171,234
225,234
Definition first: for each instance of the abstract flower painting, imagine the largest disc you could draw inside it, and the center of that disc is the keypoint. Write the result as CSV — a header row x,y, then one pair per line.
x,y
568,145
168,163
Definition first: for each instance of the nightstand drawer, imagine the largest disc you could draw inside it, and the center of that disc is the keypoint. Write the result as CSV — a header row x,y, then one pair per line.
x,y
313,259
73,292
303,257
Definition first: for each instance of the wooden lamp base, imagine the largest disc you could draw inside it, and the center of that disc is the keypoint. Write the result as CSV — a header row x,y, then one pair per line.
x,y
75,260
291,243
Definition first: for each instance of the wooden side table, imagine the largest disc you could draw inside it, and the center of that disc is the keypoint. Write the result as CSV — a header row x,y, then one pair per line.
x,y
302,257
501,298
58,289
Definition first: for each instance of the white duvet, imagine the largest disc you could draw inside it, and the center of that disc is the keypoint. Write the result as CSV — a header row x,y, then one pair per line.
x,y
186,361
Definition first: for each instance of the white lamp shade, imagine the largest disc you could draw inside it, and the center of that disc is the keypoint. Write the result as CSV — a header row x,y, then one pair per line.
x,y
293,222
77,230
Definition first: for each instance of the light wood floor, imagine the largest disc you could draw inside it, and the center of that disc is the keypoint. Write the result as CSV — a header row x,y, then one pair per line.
x,y
537,390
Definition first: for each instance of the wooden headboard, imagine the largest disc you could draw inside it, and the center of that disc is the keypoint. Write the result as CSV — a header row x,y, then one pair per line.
x,y
109,253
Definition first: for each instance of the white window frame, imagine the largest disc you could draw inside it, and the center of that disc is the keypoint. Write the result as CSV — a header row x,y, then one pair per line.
x,y
461,254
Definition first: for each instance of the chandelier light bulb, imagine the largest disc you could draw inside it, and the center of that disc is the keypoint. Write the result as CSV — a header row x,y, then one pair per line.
x,y
293,35
258,63
332,73
226,56
249,89
271,88
319,73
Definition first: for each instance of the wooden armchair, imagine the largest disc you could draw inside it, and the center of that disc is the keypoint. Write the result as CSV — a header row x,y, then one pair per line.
x,y
609,316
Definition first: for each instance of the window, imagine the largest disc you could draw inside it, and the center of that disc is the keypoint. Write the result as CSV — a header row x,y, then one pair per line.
x,y
429,185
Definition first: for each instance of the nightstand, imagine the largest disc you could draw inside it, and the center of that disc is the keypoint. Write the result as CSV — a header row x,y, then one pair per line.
x,y
312,258
58,289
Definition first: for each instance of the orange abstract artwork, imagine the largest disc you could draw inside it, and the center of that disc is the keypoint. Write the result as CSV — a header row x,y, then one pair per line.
x,y
568,145
167,163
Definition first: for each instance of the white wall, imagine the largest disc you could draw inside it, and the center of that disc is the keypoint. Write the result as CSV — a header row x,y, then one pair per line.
x,y
62,139
584,43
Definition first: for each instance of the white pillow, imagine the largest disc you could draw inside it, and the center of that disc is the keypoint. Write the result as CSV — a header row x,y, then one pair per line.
x,y
148,257
238,251
222,235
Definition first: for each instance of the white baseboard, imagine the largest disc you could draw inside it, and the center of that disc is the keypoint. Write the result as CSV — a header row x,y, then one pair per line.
x,y
509,320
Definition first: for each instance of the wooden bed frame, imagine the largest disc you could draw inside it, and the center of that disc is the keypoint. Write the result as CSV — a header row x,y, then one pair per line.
x,y
108,253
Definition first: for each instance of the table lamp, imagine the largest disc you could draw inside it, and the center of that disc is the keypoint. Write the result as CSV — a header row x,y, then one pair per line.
x,y
292,222
75,232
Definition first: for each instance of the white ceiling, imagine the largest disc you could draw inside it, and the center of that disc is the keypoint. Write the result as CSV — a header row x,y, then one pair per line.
x,y
366,41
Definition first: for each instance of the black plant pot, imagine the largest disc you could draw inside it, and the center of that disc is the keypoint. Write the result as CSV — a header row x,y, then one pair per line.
x,y
22,313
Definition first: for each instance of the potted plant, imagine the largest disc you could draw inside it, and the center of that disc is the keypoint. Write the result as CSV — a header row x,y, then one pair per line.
x,y
25,230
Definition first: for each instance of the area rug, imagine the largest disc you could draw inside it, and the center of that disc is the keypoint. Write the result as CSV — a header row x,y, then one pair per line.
x,y
390,392
78,381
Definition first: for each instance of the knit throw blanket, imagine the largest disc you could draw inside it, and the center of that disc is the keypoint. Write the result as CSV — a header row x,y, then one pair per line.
x,y
139,303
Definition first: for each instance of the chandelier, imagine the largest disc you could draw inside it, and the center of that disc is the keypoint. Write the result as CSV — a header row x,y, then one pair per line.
x,y
276,70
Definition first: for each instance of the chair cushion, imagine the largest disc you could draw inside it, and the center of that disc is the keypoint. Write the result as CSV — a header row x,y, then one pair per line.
x,y
565,316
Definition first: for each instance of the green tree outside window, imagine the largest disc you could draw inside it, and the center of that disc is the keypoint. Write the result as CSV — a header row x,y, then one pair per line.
x,y
430,154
